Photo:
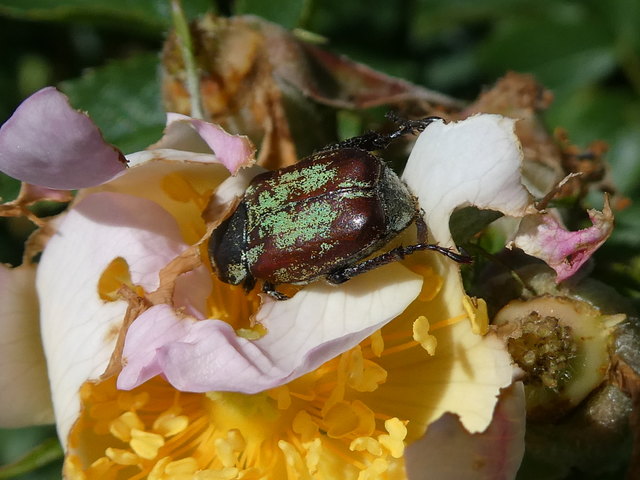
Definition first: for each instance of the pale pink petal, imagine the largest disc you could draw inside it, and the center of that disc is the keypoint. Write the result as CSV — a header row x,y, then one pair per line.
x,y
25,398
79,329
33,193
317,324
194,135
448,452
48,143
544,237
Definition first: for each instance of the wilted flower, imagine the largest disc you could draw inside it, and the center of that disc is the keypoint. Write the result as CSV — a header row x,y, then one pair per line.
x,y
159,370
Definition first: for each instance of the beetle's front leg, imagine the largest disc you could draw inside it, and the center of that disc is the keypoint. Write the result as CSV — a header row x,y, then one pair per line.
x,y
270,289
395,255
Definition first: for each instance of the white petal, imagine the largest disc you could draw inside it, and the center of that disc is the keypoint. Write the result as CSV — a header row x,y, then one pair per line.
x,y
25,398
79,329
472,162
322,321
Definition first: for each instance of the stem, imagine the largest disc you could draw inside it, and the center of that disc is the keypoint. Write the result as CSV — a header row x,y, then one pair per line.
x,y
186,46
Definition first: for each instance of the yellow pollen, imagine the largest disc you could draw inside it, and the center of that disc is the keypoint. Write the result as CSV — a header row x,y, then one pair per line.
x,y
476,309
373,471
228,473
122,457
236,440
421,334
100,468
377,343
121,427
281,396
341,420
146,444
296,467
394,441
170,423
368,444
364,375
157,473
304,426
186,465
225,452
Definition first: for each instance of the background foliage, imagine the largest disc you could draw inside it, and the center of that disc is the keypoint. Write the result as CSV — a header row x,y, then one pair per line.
x,y
104,55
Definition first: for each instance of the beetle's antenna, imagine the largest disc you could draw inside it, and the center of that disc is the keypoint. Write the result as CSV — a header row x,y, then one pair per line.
x,y
410,126
371,141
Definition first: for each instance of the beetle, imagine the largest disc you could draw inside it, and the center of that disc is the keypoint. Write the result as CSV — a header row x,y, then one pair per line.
x,y
321,217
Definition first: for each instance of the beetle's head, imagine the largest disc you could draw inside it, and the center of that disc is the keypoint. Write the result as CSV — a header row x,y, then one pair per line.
x,y
227,248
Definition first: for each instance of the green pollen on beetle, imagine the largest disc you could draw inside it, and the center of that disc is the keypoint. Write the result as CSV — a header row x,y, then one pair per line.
x,y
236,272
312,178
291,227
252,255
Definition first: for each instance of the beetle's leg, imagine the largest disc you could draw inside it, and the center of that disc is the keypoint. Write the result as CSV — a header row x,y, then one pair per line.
x,y
421,226
270,289
371,141
398,253
249,283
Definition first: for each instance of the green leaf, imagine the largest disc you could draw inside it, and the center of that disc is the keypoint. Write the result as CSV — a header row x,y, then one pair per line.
x,y
124,100
9,188
153,16
562,55
45,453
288,13
468,221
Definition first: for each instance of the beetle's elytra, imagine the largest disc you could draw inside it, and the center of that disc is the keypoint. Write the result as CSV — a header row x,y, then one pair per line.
x,y
320,218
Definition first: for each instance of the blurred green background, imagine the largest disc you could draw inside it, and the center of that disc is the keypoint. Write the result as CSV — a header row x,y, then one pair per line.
x,y
104,55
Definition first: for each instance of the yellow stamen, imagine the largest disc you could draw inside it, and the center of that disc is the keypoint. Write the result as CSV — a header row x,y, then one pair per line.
x,y
146,444
170,423
476,309
447,322
394,441
421,334
122,457
187,465
377,343
121,427
369,444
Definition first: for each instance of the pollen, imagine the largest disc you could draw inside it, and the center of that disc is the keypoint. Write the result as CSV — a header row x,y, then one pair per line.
x,y
476,309
421,334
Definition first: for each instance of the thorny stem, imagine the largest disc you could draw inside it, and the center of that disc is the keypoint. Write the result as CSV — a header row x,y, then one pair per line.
x,y
186,46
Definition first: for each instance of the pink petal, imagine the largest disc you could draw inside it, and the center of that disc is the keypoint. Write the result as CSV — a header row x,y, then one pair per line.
x,y
448,452
544,237
48,143
317,324
193,135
